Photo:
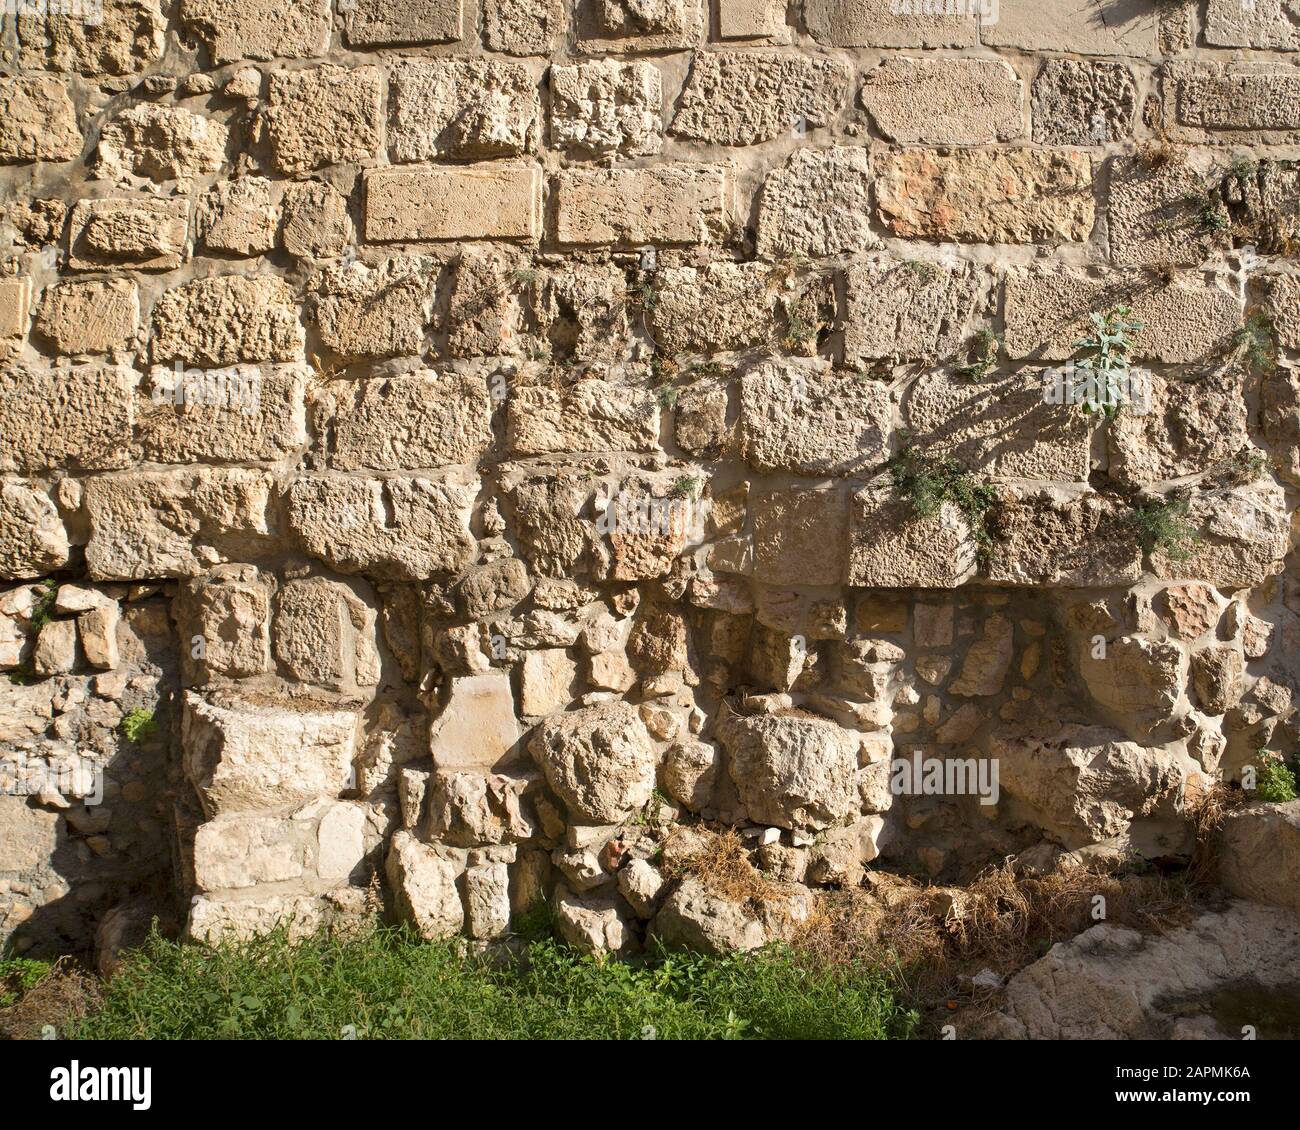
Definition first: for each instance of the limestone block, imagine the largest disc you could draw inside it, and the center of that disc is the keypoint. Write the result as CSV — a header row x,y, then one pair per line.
x,y
144,233
424,887
1153,215
591,415
817,204
258,29
718,308
987,195
248,756
390,529
224,619
162,143
892,547
377,311
325,634
89,317
245,850
607,107
33,541
489,201
1266,25
126,37
752,19
461,108
743,98
476,729
150,524
945,101
1244,537
37,121
546,681
800,537
889,23
1251,103
15,306
77,418
1122,27
626,26
524,27
1058,537
378,23
227,319
326,115
598,760
315,221
663,205
238,217
1083,102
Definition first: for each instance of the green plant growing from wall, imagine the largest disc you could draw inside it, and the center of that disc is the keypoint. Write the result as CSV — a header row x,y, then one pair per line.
x,y
928,481
1211,216
138,724
1162,526
688,486
1274,782
1102,379
1257,343
983,352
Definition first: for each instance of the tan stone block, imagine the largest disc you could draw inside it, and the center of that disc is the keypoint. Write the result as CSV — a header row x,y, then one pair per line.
x,y
145,233
524,27
375,311
315,220
1082,102
228,611
33,541
627,26
226,319
1266,25
605,106
258,29
162,143
325,634
89,317
1252,103
490,201
476,729
891,547
1122,27
988,196
546,681
78,418
380,23
753,19
125,37
1153,212
37,121
714,309
238,217
800,537
327,115
589,416
15,305
888,23
945,101
818,203
667,204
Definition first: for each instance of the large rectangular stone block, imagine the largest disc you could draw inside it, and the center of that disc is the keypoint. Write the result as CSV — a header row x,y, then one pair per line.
x,y
75,419
144,233
489,201
668,204
1082,27
891,23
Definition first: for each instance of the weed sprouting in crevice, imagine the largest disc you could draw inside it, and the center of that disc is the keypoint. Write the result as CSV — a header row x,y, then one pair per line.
x,y
929,481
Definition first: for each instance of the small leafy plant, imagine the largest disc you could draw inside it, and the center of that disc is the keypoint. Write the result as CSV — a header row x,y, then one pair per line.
x,y
17,975
928,481
687,486
1256,342
138,725
1162,526
42,614
1274,782
983,352
1102,378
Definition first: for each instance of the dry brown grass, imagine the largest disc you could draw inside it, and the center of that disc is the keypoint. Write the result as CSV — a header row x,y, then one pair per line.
x,y
724,867
64,996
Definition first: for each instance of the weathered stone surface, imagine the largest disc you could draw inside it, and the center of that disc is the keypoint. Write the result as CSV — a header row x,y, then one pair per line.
x,y
801,418
251,756
1082,102
523,27
1002,427
816,204
89,317
594,923
909,311
667,204
591,415
1282,299
238,217
721,307
142,232
489,201
1217,678
1280,419
315,220
607,107
424,887
461,108
984,668
162,143
555,539
15,307
377,23
55,652
988,196
752,19
888,23
1050,537
892,547
945,101
1153,214
258,29
792,771
1188,425
214,919
476,729
323,116
1048,312
598,760
690,773
227,319
33,541
546,681
1251,103
37,121
229,609
148,524
391,528
743,98
1259,855
1243,534
78,418
627,25
697,919
243,414
1139,681
1264,25
1086,784
800,537
325,634
1124,27
417,420
375,311
244,850
125,37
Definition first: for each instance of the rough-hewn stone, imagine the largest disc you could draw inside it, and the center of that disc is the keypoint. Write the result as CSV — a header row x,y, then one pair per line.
x,y
945,101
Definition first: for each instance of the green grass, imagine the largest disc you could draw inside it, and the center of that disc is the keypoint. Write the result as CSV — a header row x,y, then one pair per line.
x,y
138,724
383,983
17,975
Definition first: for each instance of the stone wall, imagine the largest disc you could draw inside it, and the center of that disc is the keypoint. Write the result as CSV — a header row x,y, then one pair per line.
x,y
450,444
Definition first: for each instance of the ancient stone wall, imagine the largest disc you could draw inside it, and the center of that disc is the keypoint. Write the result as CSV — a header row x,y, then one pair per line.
x,y
449,444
